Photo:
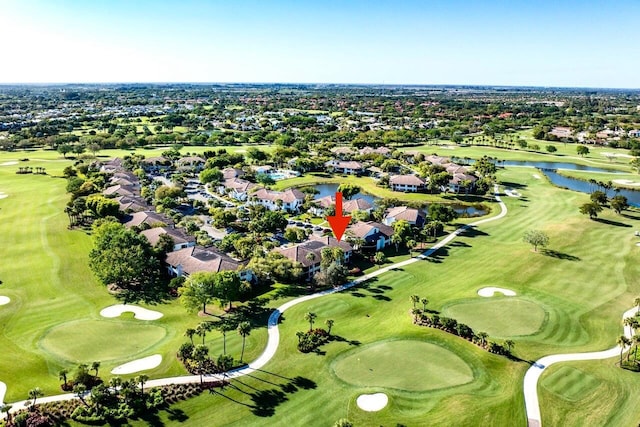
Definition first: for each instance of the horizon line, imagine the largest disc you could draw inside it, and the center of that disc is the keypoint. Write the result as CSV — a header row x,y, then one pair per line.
x,y
472,85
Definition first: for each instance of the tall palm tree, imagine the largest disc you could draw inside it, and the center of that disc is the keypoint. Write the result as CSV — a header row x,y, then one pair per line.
x,y
6,408
483,338
329,323
415,299
509,344
115,383
622,342
632,323
636,340
189,333
62,375
424,302
200,354
142,379
310,317
95,366
34,394
201,330
224,326
244,329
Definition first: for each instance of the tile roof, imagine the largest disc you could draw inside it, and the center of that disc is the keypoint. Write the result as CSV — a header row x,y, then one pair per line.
x,y
195,258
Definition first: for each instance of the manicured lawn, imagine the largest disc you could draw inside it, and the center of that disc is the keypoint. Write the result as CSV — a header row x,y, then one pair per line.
x,y
499,317
570,383
404,365
95,339
583,282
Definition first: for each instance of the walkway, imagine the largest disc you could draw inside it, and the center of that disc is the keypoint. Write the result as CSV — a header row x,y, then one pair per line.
x,y
532,406
272,325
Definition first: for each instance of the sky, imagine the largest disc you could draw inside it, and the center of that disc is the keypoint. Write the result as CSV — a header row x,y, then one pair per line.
x,y
516,43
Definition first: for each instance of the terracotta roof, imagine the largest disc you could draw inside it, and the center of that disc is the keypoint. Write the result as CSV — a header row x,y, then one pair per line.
x,y
361,229
380,150
120,190
332,242
287,196
194,259
315,244
229,173
135,204
153,235
358,204
437,160
406,180
156,160
344,165
404,212
146,217
238,184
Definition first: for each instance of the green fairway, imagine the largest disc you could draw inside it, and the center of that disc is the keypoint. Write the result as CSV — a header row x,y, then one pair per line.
x,y
84,340
570,383
499,316
404,365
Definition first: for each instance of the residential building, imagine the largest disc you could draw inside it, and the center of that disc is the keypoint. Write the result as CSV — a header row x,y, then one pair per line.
x,y
180,239
412,216
146,218
290,200
376,236
345,167
406,183
193,259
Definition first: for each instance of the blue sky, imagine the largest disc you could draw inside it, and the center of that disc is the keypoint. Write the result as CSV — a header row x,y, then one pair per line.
x,y
541,43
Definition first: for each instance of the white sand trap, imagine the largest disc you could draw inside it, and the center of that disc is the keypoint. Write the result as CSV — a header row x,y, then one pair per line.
x,y
8,163
638,244
372,402
536,176
4,300
607,154
138,312
3,391
143,364
511,193
626,182
490,291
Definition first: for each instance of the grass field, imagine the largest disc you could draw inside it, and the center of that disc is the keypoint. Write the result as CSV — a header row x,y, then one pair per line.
x,y
505,317
404,365
583,282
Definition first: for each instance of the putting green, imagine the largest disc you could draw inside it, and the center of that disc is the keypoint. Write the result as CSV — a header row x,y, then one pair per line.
x,y
103,340
570,383
405,364
499,317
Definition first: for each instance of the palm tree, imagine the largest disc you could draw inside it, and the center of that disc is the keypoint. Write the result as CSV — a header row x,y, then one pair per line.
x,y
623,342
415,312
200,355
62,375
244,329
632,323
636,302
79,390
329,323
411,244
509,345
310,317
636,340
224,327
415,299
299,335
34,394
189,333
424,302
95,366
142,379
396,239
483,338
201,330
115,383
5,408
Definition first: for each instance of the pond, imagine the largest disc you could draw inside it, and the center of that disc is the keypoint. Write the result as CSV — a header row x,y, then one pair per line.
x,y
633,196
330,190
541,165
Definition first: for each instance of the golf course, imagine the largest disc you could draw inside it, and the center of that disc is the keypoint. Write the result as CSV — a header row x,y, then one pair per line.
x,y
567,298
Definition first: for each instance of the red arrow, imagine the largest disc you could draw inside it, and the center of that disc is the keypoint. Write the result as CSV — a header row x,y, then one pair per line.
x,y
338,222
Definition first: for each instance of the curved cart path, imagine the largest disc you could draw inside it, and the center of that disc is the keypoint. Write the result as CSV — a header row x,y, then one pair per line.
x,y
532,406
272,325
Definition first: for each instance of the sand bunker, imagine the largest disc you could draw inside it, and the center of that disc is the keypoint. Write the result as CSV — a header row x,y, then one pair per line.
x,y
3,391
138,312
626,182
372,402
8,163
3,195
490,291
638,244
143,364
536,176
607,154
4,300
511,193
